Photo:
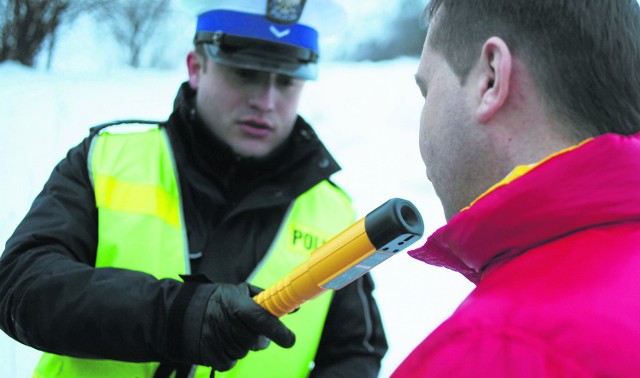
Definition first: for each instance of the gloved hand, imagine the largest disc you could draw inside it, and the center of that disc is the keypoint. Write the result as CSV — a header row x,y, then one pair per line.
x,y
234,324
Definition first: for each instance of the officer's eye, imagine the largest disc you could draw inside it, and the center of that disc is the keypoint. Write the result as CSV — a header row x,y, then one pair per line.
x,y
286,81
245,73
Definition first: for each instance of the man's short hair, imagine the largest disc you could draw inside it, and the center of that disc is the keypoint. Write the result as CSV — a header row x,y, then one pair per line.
x,y
583,55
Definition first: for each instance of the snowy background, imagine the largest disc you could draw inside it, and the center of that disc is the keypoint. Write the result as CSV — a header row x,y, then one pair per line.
x,y
366,113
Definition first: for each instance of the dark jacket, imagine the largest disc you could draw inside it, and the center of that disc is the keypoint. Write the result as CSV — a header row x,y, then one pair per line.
x,y
51,297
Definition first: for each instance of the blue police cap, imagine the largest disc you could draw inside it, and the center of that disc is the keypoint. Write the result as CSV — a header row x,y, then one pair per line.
x,y
279,36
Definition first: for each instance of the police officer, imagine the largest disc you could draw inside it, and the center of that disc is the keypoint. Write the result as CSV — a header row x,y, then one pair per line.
x,y
140,256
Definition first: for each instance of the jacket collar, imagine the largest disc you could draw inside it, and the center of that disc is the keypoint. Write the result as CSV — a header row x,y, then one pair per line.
x,y
594,184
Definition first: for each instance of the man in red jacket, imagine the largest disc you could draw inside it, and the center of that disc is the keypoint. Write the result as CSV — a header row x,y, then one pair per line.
x,y
529,136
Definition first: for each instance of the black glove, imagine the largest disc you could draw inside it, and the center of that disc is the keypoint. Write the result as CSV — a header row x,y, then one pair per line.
x,y
234,324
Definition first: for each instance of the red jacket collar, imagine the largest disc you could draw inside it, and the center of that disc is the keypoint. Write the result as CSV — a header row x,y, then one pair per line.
x,y
595,184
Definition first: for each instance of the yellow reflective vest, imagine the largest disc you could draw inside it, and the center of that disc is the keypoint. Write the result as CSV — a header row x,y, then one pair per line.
x,y
140,219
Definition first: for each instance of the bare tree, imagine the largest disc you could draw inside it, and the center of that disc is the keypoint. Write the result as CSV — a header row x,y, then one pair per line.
x,y
133,23
25,25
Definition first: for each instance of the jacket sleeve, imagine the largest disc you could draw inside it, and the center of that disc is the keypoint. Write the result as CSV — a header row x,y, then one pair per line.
x,y
353,340
51,296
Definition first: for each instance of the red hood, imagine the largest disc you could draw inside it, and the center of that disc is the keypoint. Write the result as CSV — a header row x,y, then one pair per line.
x,y
595,184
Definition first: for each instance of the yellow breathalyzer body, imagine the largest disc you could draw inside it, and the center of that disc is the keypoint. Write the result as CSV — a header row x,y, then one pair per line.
x,y
379,235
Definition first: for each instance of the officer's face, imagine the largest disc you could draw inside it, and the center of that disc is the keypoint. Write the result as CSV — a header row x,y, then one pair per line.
x,y
252,111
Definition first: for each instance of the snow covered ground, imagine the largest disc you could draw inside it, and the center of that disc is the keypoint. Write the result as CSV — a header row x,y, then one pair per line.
x,y
367,113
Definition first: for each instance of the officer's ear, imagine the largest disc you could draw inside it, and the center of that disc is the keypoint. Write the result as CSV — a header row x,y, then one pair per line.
x,y
194,66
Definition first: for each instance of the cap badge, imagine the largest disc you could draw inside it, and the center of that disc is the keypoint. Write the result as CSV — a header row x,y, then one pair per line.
x,y
284,11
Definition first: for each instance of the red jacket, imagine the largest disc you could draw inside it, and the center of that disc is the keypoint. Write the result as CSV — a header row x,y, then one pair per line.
x,y
555,254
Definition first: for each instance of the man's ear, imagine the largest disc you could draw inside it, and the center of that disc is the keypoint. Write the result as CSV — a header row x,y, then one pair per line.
x,y
194,65
494,77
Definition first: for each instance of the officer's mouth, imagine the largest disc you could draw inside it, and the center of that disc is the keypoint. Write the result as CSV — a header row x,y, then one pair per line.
x,y
255,127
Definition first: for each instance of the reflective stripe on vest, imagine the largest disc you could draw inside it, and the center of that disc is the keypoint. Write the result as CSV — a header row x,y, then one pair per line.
x,y
140,218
